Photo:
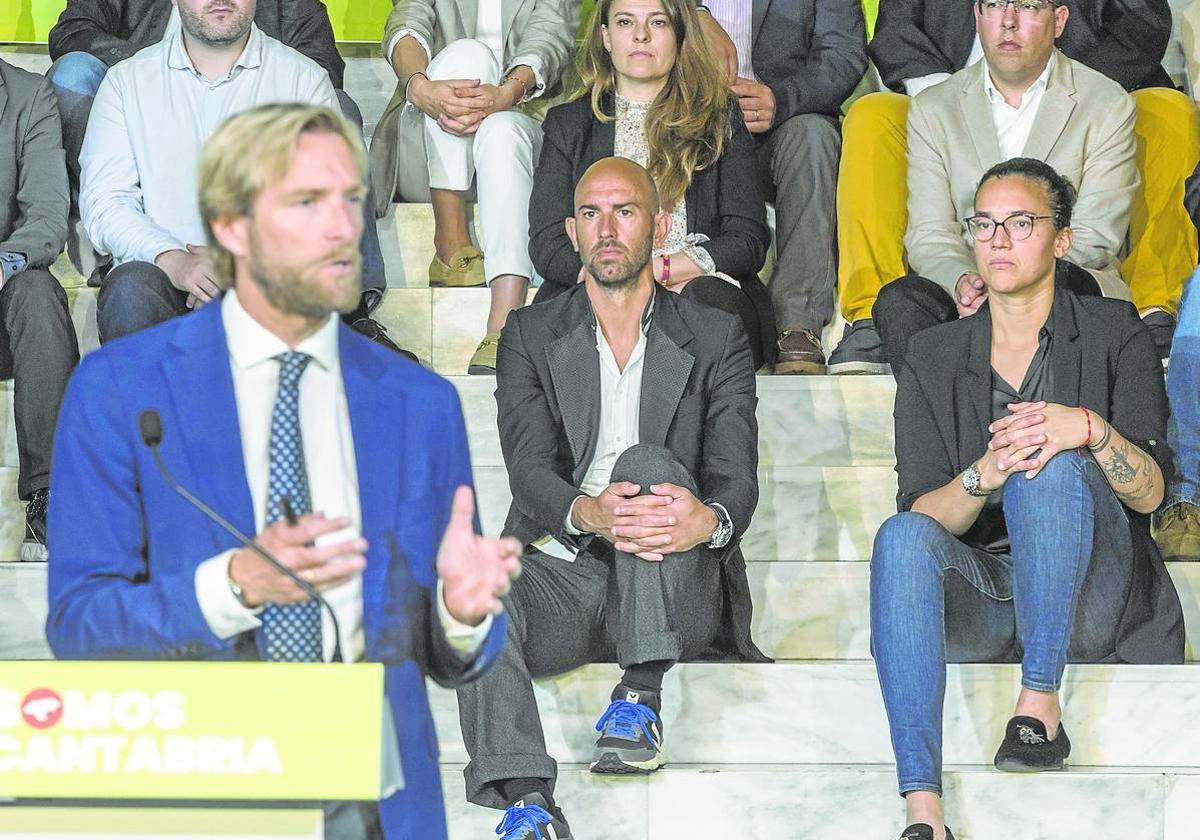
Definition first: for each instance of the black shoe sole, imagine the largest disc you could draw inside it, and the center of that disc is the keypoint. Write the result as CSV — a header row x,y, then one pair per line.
x,y
609,764
1013,765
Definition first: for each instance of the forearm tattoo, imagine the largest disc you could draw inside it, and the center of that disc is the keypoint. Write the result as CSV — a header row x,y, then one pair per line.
x,y
1129,472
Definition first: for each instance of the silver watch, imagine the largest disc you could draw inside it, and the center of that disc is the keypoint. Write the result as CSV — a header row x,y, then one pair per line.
x,y
970,482
723,533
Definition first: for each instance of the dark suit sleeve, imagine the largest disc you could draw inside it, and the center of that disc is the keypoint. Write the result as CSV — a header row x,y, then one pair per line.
x,y
529,435
305,27
550,203
739,246
922,457
1129,39
42,197
729,469
1139,408
104,601
904,47
834,64
89,26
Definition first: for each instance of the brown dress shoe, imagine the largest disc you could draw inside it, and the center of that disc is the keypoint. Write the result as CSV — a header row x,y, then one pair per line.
x,y
800,353
1178,532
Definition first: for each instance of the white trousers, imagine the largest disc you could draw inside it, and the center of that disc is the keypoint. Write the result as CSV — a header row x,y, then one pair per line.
x,y
500,158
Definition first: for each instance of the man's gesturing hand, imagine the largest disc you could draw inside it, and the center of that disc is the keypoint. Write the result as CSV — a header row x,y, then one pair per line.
x,y
323,566
475,571
669,521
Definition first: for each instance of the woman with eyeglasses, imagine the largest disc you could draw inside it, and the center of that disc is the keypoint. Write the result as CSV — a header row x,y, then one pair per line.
x,y
1031,451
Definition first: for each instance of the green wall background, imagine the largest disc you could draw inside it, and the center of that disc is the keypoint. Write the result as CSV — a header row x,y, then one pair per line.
x,y
29,21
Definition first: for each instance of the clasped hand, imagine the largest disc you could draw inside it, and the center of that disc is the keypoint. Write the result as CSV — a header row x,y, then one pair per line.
x,y
1027,439
668,520
460,105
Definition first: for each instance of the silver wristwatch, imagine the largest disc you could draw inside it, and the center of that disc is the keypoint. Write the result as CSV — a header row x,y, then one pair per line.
x,y
970,482
723,533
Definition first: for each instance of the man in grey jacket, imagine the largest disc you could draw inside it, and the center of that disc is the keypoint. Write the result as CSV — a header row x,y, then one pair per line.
x,y
38,349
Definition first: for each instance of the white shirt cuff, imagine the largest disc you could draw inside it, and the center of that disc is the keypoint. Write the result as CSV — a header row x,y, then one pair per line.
x,y
225,614
914,86
391,47
539,78
463,638
568,525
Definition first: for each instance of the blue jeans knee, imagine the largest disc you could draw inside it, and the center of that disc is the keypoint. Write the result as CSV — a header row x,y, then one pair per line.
x,y
78,72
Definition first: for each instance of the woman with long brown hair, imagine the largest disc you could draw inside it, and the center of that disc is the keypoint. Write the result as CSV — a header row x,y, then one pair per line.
x,y
654,93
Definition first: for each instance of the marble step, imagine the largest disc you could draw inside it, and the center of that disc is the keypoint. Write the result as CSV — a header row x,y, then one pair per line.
x,y
802,611
838,802
783,713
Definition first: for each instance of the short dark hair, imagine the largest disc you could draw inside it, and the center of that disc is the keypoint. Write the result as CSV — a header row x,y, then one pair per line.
x,y
1058,189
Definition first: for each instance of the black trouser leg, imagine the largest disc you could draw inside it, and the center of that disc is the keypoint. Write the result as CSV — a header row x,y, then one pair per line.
x,y
38,351
723,295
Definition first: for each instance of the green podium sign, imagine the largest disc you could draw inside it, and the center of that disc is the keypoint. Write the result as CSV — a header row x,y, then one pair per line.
x,y
190,731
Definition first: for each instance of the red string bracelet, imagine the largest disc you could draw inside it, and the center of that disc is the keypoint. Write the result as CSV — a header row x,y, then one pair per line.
x,y
1087,415
666,274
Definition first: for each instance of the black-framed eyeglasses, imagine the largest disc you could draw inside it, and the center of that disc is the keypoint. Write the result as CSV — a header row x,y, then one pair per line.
x,y
1018,226
996,8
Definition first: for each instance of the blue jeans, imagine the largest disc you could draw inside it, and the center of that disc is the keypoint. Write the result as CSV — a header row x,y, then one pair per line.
x,y
1058,596
1183,392
76,77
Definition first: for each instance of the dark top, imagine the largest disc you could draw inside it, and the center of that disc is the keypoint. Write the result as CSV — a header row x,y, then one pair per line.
x,y
810,53
724,202
1123,39
113,30
699,402
1101,357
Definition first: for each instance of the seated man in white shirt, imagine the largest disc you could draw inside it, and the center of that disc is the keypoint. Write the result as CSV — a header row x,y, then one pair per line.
x,y
1068,112
629,508
151,115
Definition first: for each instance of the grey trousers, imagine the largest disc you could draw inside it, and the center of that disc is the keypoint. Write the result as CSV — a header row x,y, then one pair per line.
x,y
798,164
38,351
606,605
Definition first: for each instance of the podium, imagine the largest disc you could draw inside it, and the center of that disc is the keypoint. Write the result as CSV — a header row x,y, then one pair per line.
x,y
187,749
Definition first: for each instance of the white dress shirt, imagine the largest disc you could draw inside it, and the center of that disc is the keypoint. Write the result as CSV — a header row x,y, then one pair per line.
x,y
489,29
736,18
152,114
1014,124
332,474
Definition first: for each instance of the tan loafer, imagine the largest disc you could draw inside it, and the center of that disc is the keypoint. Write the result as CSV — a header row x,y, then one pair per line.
x,y
465,269
483,362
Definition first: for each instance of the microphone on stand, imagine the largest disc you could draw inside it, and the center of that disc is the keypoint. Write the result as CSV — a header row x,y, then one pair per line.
x,y
150,427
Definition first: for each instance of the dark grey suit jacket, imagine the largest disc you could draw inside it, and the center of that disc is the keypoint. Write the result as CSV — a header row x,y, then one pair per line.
x,y
1103,358
1123,39
810,53
33,171
698,400
113,30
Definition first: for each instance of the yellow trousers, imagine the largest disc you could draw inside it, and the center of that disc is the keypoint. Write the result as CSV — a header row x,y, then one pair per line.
x,y
872,210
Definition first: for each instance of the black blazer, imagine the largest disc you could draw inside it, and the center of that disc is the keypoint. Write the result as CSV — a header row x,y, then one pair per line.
x,y
1123,39
698,400
113,30
1102,357
810,53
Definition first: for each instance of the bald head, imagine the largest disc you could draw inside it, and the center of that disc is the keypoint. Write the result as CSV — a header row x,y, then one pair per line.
x,y
616,223
610,172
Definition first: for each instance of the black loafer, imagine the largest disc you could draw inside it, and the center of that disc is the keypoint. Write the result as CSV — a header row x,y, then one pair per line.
x,y
1027,748
923,831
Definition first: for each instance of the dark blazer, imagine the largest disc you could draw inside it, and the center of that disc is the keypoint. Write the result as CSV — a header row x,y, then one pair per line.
x,y
724,202
810,53
1123,39
33,171
1102,357
698,400
113,30
126,545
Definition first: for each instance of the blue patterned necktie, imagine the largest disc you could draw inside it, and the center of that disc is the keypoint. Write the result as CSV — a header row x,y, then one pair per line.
x,y
290,632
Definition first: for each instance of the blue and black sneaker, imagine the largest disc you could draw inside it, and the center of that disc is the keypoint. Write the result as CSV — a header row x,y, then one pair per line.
x,y
533,818
631,736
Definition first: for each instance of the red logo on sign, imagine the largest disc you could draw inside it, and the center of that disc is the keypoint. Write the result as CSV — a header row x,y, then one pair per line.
x,y
42,708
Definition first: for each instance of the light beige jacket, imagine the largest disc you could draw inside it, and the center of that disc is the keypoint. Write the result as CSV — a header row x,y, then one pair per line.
x,y
544,29
1083,128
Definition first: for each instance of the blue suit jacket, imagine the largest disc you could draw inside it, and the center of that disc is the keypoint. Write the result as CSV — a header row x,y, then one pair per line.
x,y
126,546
